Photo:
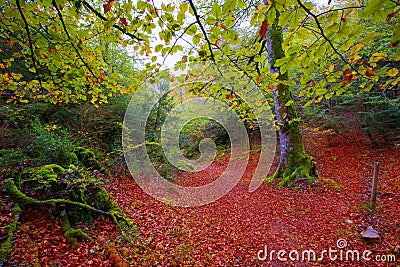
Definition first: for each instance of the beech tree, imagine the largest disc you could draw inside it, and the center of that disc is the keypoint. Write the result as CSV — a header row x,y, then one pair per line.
x,y
57,45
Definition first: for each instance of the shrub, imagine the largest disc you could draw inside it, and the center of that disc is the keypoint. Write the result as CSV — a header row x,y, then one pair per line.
x,y
381,119
51,145
11,161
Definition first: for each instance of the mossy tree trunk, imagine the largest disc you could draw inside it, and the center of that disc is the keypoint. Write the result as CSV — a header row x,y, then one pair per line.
x,y
294,162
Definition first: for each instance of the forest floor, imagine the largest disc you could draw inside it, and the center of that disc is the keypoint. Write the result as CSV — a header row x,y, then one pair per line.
x,y
232,230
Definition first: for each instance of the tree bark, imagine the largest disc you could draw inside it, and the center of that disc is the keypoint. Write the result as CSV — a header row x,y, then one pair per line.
x,y
294,162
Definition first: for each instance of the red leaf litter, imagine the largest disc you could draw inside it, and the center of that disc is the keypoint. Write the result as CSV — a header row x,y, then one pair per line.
x,y
241,225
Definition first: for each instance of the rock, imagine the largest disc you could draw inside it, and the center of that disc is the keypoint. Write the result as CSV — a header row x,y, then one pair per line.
x,y
370,234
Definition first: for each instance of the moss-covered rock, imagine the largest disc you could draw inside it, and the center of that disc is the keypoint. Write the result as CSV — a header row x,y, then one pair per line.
x,y
89,160
82,204
103,201
42,178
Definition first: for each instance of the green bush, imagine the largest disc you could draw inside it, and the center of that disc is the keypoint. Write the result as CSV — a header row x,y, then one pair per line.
x,y
11,162
51,145
381,118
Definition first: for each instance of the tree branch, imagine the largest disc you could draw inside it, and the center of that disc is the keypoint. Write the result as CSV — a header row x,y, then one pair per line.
x,y
202,29
338,9
28,32
176,40
98,14
69,37
321,30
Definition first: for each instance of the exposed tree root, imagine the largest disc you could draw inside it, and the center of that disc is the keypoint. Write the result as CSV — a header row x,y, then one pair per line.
x,y
71,234
5,245
23,199
303,168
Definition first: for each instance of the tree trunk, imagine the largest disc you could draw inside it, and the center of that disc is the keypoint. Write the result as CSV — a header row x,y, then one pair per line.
x,y
294,162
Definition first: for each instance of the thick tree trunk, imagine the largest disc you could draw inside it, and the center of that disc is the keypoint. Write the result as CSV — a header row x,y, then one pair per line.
x,y
294,162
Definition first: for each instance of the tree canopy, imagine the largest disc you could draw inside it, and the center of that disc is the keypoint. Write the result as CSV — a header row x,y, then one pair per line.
x,y
56,50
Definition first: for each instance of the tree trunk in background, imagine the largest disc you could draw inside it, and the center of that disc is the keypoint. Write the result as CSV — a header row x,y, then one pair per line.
x,y
294,161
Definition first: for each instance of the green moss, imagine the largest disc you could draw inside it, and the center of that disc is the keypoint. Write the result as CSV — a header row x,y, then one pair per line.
x,y
104,201
101,199
89,160
77,214
6,244
14,192
72,235
43,177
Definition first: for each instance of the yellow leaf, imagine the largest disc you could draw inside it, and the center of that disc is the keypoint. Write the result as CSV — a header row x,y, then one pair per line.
x,y
90,58
377,56
393,72
331,67
356,48
395,82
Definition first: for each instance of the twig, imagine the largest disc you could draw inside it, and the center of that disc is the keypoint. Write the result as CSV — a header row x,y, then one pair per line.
x,y
321,30
338,9
69,37
28,32
98,14
202,29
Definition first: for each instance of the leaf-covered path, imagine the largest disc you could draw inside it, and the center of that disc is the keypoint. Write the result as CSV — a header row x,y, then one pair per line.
x,y
232,230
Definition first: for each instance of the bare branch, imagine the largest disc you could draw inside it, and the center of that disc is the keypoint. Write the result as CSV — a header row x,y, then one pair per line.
x,y
338,9
176,41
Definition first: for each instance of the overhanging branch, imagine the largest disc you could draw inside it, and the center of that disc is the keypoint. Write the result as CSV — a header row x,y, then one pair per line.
x,y
321,31
98,14
202,29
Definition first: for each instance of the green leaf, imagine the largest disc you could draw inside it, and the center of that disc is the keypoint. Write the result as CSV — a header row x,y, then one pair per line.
x,y
216,10
141,5
196,39
289,103
271,15
321,91
229,6
167,8
284,17
192,29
